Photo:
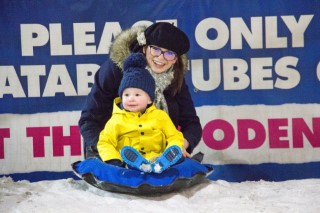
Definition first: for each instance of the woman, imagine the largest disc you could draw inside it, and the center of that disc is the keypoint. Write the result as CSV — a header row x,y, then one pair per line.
x,y
164,46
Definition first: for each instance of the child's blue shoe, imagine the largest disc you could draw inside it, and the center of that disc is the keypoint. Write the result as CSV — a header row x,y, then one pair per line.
x,y
134,159
169,157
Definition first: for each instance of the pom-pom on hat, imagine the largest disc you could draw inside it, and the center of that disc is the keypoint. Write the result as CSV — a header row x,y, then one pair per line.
x,y
166,35
136,75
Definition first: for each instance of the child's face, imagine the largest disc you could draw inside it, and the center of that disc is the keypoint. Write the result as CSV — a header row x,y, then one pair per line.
x,y
135,100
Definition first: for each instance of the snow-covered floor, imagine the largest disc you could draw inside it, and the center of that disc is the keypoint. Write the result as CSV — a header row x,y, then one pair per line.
x,y
69,195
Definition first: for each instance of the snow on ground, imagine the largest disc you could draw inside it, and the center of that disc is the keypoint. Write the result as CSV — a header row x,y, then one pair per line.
x,y
69,195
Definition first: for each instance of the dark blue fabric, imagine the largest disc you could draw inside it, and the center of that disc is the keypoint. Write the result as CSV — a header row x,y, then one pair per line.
x,y
265,171
133,178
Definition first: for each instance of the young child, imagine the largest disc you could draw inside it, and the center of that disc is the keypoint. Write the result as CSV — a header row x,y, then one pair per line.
x,y
138,133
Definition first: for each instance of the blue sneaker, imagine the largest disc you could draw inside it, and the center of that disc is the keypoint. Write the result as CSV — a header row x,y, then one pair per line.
x,y
134,159
169,157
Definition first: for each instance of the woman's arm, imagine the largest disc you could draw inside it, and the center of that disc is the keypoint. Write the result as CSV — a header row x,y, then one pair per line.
x,y
99,104
188,120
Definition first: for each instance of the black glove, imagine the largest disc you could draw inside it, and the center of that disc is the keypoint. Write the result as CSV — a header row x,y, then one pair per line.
x,y
91,152
198,157
116,162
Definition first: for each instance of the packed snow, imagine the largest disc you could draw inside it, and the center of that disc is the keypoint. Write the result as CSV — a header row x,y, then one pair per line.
x,y
70,195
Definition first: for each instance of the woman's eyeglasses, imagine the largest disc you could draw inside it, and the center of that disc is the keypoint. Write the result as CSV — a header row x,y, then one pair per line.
x,y
156,51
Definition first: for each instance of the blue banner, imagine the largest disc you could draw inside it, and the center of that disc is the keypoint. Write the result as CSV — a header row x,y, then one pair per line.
x,y
243,52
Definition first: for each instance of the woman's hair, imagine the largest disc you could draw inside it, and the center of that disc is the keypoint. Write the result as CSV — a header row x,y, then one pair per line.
x,y
177,81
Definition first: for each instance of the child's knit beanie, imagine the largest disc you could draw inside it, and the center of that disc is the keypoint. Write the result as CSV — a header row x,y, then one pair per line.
x,y
135,75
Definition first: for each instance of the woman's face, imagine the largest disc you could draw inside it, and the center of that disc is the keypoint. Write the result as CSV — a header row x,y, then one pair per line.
x,y
158,64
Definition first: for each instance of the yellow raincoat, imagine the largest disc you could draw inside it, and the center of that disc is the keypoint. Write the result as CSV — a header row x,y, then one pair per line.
x,y
149,133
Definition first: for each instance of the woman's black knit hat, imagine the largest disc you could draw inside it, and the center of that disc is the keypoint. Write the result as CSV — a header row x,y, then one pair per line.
x,y
137,76
166,35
